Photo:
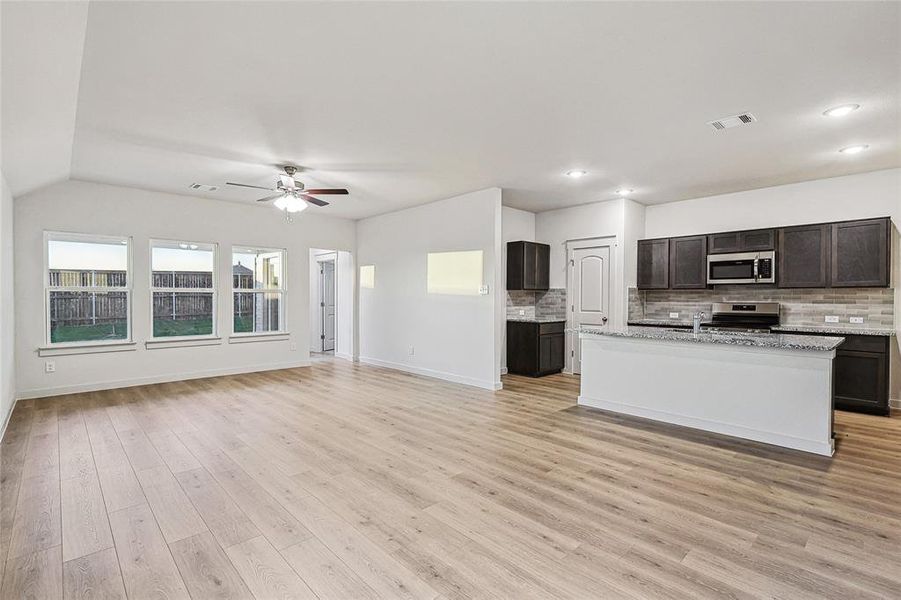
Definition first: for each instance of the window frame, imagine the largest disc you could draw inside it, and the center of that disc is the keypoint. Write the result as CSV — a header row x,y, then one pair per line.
x,y
214,290
127,288
282,290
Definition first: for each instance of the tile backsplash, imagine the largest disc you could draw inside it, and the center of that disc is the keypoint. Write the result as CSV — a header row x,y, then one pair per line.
x,y
549,304
798,306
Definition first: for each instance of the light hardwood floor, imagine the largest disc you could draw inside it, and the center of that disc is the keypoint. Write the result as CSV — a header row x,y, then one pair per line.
x,y
345,481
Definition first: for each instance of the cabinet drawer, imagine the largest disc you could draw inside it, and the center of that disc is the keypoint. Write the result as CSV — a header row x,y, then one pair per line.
x,y
546,328
865,343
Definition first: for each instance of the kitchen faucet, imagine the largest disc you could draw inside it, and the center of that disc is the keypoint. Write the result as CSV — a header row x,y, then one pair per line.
x,y
696,321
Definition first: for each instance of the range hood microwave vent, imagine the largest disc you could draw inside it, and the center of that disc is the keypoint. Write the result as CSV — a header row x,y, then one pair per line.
x,y
734,121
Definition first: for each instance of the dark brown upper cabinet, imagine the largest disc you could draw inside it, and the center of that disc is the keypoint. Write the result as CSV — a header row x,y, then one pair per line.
x,y
860,253
741,241
688,262
803,257
653,264
528,266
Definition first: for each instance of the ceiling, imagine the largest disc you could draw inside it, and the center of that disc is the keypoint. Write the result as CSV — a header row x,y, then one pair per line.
x,y
405,103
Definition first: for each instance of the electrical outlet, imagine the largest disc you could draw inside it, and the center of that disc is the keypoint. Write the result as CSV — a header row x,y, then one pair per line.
x,y
856,320
49,366
831,319
293,347
674,315
412,350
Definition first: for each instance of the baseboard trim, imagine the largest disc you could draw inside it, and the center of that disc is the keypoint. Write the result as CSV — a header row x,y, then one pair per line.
x,y
9,414
169,377
894,403
767,437
479,383
503,370
344,356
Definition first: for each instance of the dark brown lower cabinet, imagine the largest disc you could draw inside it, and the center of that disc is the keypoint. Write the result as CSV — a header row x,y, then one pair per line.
x,y
535,349
861,374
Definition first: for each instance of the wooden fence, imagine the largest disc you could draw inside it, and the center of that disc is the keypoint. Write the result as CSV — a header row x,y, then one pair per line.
x,y
87,308
93,308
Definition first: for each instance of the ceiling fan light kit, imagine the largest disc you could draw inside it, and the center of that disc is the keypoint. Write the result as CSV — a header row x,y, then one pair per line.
x,y
291,195
291,204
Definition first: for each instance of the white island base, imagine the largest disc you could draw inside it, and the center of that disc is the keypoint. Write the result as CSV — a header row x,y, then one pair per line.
x,y
774,395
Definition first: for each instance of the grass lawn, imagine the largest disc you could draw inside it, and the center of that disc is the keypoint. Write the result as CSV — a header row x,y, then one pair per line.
x,y
161,328
170,328
243,324
116,330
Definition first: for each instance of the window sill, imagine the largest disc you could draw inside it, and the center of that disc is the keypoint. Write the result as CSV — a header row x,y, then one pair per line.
x,y
76,348
244,338
182,342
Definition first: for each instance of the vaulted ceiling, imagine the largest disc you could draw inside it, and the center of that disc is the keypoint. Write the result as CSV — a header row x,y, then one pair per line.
x,y
404,103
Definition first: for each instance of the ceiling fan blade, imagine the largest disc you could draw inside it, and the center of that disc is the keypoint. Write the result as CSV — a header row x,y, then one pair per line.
x,y
256,187
268,198
327,191
313,200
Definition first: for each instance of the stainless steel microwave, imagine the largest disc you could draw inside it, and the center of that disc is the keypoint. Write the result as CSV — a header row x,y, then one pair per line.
x,y
741,267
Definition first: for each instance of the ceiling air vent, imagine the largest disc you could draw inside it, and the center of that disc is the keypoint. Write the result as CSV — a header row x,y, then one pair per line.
x,y
730,122
204,187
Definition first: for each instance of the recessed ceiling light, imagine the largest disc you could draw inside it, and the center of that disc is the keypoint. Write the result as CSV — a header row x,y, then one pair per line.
x,y
576,173
854,149
624,192
841,111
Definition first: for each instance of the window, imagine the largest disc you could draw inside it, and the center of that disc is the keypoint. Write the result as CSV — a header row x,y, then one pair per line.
x,y
367,276
258,279
88,289
183,288
458,273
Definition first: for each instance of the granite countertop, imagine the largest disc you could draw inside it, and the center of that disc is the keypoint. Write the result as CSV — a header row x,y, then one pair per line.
x,y
780,341
836,329
536,319
660,322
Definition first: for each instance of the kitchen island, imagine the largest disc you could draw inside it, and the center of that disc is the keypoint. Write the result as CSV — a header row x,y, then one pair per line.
x,y
773,388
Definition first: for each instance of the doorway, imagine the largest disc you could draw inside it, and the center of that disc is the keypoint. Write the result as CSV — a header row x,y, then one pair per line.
x,y
590,269
327,304
331,307
323,300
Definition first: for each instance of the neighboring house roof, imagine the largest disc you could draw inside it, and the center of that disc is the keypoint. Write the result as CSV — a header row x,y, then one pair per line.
x,y
240,269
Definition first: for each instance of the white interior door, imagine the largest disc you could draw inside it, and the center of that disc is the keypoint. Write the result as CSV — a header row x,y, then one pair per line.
x,y
327,302
590,292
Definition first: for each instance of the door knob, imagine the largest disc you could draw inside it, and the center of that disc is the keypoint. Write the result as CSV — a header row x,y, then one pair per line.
x,y
603,319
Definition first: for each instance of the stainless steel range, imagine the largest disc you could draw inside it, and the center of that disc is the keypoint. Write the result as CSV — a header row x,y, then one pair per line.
x,y
746,317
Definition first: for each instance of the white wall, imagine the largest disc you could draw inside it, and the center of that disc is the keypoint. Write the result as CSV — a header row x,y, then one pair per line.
x,y
839,198
516,225
454,337
77,206
7,306
633,230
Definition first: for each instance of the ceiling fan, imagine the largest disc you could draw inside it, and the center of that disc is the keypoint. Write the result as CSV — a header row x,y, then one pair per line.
x,y
291,194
